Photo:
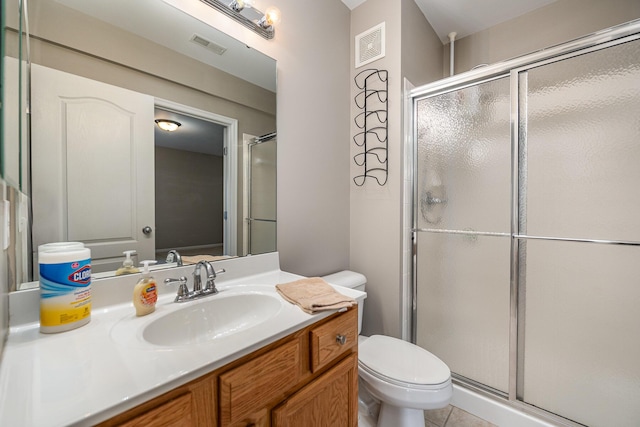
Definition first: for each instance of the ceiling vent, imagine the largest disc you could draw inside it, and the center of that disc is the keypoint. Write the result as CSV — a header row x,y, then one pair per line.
x,y
208,44
370,45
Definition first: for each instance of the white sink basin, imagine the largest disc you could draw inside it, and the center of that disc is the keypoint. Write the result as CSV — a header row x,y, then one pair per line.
x,y
214,317
205,321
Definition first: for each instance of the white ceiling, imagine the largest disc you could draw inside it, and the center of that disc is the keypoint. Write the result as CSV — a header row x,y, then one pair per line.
x,y
467,17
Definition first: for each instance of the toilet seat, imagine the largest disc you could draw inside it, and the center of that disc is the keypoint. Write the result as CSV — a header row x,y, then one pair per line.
x,y
402,363
393,381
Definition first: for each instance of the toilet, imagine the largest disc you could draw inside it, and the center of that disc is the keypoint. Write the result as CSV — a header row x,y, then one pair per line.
x,y
403,378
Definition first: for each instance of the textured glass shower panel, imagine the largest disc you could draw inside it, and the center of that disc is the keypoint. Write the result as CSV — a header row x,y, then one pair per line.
x,y
463,304
583,146
464,157
263,180
582,331
263,237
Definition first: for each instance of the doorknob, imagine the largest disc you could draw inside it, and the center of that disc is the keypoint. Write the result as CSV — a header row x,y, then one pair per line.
x,y
147,230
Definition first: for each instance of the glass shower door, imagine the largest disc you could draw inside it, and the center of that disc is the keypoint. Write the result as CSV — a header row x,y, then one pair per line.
x,y
528,233
463,176
580,224
262,196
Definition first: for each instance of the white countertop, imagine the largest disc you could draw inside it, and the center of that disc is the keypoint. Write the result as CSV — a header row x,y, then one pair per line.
x,y
87,375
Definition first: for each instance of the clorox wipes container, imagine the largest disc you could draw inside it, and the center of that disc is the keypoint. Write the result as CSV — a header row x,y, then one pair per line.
x,y
65,288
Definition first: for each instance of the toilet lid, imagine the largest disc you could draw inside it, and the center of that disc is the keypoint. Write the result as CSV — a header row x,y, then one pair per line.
x,y
402,361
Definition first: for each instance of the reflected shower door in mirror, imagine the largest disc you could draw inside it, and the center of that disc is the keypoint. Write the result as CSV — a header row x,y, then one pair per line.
x,y
93,180
261,221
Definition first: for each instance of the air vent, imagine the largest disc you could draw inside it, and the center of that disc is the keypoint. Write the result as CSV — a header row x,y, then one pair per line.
x,y
208,44
370,45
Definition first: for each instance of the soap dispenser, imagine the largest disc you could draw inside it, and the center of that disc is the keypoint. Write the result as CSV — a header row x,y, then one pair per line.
x,y
145,293
127,265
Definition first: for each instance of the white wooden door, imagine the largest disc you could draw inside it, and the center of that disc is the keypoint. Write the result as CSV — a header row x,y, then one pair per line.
x,y
93,166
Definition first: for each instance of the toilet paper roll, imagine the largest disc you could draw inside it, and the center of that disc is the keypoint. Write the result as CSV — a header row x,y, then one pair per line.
x,y
65,288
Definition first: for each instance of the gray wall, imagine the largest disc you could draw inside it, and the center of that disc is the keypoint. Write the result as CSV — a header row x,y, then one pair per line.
x,y
412,50
553,24
193,180
311,46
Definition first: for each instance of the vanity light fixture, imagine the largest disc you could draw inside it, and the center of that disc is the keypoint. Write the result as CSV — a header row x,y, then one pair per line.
x,y
270,19
243,12
168,125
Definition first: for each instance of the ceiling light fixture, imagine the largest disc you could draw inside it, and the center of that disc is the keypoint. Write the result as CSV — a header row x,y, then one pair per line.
x,y
243,12
168,125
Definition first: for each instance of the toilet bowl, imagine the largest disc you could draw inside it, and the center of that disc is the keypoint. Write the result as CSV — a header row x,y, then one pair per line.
x,y
405,379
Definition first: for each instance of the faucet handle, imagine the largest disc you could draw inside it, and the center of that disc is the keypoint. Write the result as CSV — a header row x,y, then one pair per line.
x,y
183,290
210,287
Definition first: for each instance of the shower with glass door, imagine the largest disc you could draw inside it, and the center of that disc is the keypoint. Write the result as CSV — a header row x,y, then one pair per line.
x,y
527,229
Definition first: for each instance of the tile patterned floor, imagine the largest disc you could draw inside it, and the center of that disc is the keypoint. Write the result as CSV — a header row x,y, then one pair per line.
x,y
453,417
445,417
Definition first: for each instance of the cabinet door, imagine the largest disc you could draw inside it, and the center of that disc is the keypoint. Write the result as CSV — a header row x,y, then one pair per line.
x,y
175,413
329,401
192,405
260,383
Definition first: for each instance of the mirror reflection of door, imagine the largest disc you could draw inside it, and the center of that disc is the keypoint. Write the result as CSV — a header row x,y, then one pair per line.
x,y
190,190
101,179
92,163
262,194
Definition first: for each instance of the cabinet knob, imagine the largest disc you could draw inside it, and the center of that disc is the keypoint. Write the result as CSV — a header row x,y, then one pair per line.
x,y
341,339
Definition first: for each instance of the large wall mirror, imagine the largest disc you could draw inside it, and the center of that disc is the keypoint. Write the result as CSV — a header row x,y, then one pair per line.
x,y
89,162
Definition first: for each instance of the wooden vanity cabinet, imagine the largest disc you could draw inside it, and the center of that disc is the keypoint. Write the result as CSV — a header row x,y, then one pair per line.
x,y
309,378
191,405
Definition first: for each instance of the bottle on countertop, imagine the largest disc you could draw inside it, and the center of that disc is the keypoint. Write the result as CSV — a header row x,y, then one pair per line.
x,y
127,265
145,293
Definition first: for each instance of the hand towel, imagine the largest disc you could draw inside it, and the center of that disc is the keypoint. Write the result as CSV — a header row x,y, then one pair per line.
x,y
313,295
195,258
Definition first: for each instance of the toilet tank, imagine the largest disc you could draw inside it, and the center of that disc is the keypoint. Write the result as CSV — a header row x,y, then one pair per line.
x,y
349,279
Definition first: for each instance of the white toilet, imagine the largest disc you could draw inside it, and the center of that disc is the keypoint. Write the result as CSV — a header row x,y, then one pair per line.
x,y
404,378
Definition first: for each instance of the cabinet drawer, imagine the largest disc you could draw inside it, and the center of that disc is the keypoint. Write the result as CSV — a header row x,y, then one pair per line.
x,y
333,338
259,382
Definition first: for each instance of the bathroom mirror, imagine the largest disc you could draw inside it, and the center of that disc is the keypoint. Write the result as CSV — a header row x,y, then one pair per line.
x,y
186,71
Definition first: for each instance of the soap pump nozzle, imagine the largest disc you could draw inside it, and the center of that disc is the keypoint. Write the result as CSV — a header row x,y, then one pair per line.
x,y
127,265
128,262
145,266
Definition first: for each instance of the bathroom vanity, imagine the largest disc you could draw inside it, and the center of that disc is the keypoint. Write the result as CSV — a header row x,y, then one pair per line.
x,y
307,378
269,363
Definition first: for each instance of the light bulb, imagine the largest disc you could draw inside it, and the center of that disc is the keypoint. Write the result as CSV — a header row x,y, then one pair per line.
x,y
270,19
237,5
273,15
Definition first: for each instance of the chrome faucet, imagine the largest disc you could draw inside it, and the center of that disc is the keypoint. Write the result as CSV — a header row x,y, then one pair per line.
x,y
198,291
174,255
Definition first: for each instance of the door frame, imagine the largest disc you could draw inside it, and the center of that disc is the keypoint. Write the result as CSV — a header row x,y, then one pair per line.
x,y
230,166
